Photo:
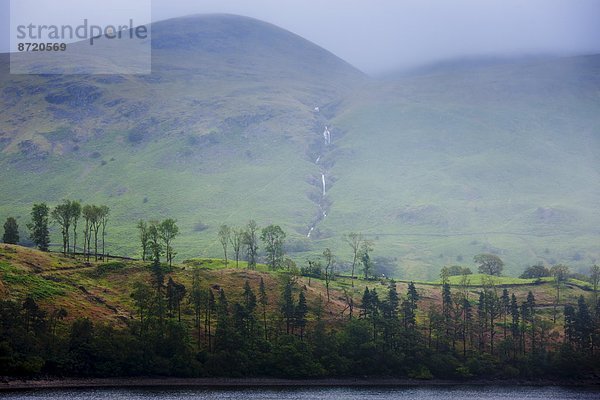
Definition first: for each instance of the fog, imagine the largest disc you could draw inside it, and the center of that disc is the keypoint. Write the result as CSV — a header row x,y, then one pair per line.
x,y
382,35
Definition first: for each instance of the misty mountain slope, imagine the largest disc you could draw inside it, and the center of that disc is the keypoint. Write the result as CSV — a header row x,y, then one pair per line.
x,y
220,132
504,159
434,167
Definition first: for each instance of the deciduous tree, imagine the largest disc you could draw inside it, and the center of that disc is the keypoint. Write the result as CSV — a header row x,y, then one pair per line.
x,y
236,239
535,271
168,230
251,243
154,241
75,214
224,235
365,258
144,237
103,214
355,241
273,237
328,269
560,274
87,214
61,214
38,227
92,215
489,264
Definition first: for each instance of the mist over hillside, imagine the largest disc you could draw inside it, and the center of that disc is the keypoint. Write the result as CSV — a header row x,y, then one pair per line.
x,y
241,119
495,158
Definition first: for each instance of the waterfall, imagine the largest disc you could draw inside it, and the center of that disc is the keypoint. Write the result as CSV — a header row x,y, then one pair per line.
x,y
324,170
327,136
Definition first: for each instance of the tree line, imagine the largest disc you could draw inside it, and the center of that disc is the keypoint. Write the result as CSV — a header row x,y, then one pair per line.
x,y
156,238
66,216
202,330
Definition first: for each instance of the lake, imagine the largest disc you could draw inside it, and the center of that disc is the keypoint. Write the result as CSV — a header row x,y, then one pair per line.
x,y
324,393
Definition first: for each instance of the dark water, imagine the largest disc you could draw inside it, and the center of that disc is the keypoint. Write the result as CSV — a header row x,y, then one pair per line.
x,y
327,393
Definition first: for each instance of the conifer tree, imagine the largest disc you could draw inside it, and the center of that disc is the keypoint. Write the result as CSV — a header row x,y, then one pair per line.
x,y
197,301
530,313
584,325
249,308
410,307
287,307
264,301
301,312
467,318
365,305
11,231
515,324
569,326
505,309
210,309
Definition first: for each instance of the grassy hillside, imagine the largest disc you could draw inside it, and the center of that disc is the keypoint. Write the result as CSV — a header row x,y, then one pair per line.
x,y
102,291
218,133
433,167
442,166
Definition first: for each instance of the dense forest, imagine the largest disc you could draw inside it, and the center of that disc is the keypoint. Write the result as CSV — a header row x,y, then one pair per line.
x,y
198,328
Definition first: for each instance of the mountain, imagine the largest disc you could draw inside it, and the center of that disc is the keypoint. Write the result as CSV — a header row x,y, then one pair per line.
x,y
218,133
241,119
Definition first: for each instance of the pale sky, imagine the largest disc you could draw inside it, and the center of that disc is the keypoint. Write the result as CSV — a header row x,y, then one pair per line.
x,y
382,35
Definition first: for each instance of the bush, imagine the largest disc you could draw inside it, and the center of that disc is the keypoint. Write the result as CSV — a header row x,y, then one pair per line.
x,y
457,270
535,271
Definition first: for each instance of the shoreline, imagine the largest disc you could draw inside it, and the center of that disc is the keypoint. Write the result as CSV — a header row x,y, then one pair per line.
x,y
9,384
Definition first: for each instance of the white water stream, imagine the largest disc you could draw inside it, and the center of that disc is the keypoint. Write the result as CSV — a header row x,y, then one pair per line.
x,y
327,140
327,136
